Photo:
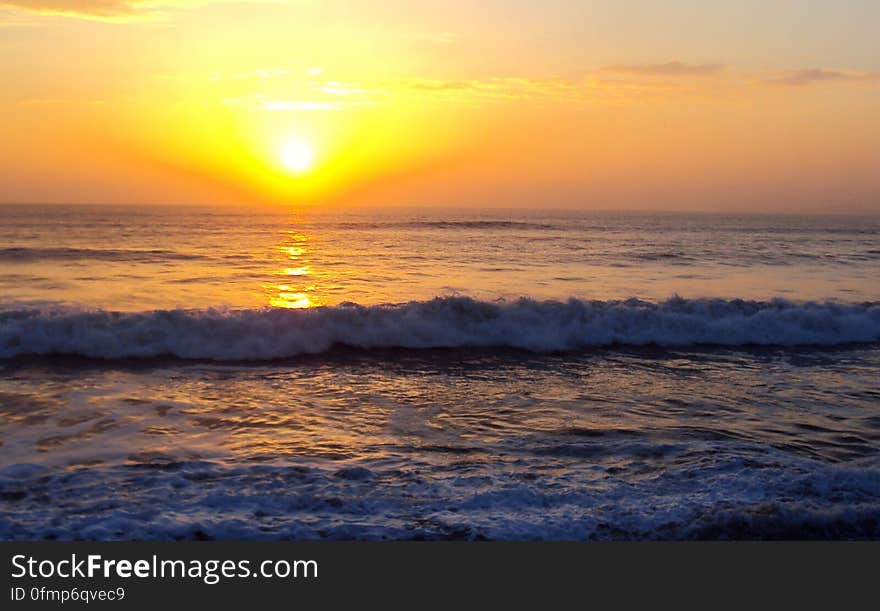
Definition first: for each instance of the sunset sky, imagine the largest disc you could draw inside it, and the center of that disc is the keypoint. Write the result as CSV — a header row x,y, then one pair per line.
x,y
754,105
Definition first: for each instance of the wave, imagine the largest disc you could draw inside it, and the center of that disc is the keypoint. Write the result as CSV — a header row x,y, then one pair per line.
x,y
450,225
443,322
327,500
24,255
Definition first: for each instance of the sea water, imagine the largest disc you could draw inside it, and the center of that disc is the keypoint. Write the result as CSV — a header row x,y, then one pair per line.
x,y
193,373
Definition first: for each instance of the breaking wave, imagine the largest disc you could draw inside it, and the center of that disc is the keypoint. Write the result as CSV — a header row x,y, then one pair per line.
x,y
443,322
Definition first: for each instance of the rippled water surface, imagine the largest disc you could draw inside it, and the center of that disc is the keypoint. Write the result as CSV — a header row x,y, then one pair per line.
x,y
136,259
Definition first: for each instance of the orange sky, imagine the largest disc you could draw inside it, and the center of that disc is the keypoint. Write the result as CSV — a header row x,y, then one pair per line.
x,y
638,105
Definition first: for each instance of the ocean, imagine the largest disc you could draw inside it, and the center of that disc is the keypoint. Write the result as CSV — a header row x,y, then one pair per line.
x,y
209,373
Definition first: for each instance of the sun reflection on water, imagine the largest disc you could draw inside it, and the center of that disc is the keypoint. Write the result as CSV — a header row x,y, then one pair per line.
x,y
296,301
296,271
292,294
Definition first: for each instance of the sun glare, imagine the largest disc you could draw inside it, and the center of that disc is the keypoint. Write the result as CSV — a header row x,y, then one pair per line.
x,y
297,156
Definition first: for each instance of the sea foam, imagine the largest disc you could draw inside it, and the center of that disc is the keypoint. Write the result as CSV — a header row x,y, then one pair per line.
x,y
443,322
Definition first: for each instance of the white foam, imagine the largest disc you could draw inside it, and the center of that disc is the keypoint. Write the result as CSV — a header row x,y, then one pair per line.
x,y
225,334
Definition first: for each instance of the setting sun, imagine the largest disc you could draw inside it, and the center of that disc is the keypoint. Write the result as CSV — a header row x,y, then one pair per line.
x,y
297,156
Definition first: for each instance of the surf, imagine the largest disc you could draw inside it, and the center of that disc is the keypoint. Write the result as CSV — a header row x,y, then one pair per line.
x,y
443,322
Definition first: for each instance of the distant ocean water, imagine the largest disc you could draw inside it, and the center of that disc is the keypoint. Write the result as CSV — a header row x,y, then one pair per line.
x,y
215,373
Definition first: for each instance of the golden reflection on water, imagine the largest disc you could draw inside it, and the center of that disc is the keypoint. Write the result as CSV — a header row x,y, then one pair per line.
x,y
286,299
296,271
294,292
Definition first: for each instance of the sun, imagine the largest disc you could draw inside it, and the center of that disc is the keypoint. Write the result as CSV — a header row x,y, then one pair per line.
x,y
297,156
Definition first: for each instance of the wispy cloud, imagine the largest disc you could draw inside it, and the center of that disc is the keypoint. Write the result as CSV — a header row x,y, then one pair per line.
x,y
498,87
261,74
263,103
91,8
675,68
331,95
298,91
335,88
109,9
809,76
10,18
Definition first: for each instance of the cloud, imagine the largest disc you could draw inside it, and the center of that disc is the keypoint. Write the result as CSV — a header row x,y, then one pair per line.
x,y
261,102
667,69
498,87
86,8
11,18
108,9
809,76
334,95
